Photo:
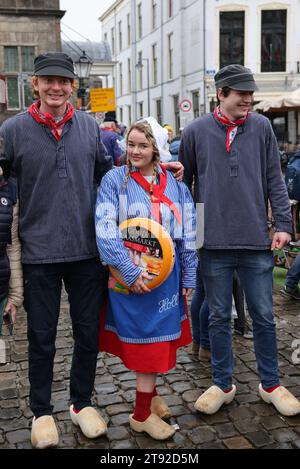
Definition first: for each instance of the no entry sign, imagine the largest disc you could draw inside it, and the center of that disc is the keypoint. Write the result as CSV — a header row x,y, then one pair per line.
x,y
185,105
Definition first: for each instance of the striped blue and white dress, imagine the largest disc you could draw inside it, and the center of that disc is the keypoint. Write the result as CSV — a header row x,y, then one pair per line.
x,y
145,330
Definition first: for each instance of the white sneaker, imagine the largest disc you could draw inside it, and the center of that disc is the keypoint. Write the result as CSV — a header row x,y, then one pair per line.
x,y
282,399
213,398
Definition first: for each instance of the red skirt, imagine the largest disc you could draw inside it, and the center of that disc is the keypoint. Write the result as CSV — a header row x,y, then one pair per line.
x,y
159,357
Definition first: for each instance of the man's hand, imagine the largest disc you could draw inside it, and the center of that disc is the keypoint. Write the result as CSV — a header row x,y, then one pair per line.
x,y
10,308
139,286
177,169
280,239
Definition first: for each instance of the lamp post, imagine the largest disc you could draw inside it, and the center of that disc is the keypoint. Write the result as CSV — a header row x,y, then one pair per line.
x,y
83,68
140,66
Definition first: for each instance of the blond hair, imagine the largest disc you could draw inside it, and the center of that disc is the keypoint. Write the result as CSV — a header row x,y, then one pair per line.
x,y
145,128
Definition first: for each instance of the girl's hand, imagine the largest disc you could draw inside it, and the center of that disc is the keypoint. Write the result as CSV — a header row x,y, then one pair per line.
x,y
139,287
187,291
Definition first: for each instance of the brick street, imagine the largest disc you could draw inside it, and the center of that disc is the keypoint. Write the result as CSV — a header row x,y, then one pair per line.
x,y
247,422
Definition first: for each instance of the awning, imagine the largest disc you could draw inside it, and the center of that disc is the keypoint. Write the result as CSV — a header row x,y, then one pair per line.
x,y
289,101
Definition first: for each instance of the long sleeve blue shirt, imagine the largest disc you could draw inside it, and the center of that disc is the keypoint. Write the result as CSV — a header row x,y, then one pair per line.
x,y
235,186
57,186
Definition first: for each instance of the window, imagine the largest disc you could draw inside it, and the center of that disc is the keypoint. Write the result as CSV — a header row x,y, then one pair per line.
x,y
154,14
273,40
158,111
27,58
176,113
105,36
196,104
129,75
120,35
232,37
13,93
128,30
140,72
170,56
121,114
154,62
140,20
141,111
11,59
121,79
18,63
170,8
112,36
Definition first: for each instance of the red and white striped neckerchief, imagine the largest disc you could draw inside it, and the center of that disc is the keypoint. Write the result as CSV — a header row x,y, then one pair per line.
x,y
50,121
232,126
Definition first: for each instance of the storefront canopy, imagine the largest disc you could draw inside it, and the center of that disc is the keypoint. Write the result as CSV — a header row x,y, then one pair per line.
x,y
288,102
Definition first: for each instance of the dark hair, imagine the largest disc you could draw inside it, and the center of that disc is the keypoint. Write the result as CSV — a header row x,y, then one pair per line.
x,y
226,91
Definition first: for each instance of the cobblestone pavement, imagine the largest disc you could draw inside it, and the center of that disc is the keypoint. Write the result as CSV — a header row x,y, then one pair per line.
x,y
246,423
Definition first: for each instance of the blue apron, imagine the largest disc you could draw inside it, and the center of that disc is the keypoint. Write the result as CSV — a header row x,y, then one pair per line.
x,y
152,317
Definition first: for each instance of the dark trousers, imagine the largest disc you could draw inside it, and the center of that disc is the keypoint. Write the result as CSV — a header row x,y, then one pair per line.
x,y
86,285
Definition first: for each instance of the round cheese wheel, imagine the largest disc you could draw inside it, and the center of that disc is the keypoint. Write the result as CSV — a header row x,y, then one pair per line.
x,y
150,247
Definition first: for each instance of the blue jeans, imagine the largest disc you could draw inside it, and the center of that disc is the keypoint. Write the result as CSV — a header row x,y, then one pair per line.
x,y
293,275
199,313
255,271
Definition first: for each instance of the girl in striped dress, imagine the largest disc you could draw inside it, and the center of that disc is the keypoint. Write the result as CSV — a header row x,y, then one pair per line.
x,y
141,326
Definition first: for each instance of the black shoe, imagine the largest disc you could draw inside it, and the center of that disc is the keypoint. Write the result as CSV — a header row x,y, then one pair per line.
x,y
291,292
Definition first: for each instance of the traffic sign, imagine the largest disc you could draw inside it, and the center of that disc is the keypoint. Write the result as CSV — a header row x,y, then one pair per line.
x,y
102,99
185,105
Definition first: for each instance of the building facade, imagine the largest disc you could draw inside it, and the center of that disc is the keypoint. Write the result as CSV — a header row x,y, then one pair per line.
x,y
27,28
182,43
158,48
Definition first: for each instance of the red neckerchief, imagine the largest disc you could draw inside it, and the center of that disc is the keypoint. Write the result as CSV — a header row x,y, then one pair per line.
x,y
232,126
157,194
47,119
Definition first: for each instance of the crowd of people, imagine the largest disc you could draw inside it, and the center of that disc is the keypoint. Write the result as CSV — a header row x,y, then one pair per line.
x,y
66,185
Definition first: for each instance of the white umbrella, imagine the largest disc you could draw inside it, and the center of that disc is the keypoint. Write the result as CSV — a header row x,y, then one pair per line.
x,y
288,102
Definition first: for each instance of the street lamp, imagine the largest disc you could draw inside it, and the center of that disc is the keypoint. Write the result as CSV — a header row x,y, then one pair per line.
x,y
83,68
140,66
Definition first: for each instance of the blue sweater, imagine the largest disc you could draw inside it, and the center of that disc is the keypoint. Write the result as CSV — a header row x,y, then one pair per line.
x,y
57,186
235,187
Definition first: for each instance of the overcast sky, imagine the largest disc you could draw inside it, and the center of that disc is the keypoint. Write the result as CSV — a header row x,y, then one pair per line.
x,y
82,16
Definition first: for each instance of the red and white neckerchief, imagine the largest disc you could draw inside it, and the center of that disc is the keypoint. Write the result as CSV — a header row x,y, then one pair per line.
x,y
157,195
50,121
232,126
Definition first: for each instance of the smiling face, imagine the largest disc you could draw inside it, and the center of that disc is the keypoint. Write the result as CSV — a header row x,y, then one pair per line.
x,y
237,104
140,152
54,92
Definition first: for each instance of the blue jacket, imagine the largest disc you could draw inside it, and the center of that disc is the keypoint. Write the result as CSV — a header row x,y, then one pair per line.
x,y
57,186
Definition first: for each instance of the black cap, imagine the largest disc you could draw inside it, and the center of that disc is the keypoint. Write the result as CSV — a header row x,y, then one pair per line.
x,y
54,64
237,77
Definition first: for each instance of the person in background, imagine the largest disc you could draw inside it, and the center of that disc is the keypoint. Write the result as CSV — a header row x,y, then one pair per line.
x,y
170,131
175,145
110,139
11,277
291,289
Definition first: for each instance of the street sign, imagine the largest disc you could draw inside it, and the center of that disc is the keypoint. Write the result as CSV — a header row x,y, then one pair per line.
x,y
185,105
102,99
